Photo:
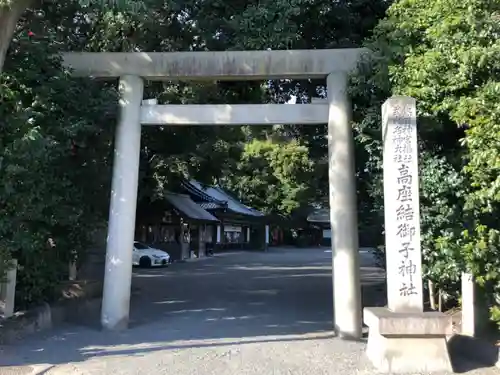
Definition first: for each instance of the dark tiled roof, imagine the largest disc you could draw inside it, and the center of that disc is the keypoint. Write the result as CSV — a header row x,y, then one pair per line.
x,y
218,195
195,188
189,208
209,205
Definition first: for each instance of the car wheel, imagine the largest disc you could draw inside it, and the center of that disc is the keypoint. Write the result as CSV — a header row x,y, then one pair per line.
x,y
145,262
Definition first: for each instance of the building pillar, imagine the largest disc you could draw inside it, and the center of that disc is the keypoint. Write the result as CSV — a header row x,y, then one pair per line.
x,y
8,291
343,211
248,234
201,240
266,238
72,270
185,241
219,234
121,226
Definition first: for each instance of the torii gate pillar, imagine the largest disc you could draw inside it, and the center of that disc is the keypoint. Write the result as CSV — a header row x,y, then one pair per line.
x,y
347,307
334,64
122,209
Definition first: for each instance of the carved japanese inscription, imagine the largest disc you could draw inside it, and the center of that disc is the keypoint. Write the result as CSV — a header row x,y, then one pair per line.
x,y
401,205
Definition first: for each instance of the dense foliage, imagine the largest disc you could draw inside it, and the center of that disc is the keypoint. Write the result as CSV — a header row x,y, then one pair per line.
x,y
273,176
49,163
56,132
445,54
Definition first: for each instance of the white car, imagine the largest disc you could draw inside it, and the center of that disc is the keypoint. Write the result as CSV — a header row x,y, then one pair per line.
x,y
146,256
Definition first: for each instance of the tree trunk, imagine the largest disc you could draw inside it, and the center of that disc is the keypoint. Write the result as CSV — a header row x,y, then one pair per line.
x,y
9,15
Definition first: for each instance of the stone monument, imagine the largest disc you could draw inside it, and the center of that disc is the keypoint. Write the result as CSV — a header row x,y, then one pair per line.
x,y
402,337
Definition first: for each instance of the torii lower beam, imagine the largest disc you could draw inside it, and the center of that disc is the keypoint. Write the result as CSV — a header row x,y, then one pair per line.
x,y
239,114
133,68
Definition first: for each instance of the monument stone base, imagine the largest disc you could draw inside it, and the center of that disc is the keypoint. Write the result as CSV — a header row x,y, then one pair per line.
x,y
407,342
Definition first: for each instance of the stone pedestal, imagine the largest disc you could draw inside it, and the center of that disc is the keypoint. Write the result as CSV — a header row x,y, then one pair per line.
x,y
475,312
407,342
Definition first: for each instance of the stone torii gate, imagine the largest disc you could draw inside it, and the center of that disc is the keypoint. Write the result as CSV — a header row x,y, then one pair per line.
x,y
133,68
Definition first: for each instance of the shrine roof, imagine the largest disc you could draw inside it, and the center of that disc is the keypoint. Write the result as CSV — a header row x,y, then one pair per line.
x,y
189,208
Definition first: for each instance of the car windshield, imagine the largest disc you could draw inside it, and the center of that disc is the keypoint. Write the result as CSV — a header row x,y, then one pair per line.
x,y
140,246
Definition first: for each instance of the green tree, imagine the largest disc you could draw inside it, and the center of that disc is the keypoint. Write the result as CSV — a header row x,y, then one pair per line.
x,y
49,164
445,54
441,218
273,176
77,186
12,10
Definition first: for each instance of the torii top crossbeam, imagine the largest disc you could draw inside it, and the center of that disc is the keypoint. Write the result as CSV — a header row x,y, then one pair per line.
x,y
225,65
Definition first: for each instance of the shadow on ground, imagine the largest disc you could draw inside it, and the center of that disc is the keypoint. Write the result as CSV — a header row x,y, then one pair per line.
x,y
243,298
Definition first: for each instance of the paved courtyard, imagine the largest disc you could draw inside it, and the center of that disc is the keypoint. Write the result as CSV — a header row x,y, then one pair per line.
x,y
241,313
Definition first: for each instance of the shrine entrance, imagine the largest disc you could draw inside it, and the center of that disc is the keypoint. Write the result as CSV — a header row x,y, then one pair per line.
x,y
133,68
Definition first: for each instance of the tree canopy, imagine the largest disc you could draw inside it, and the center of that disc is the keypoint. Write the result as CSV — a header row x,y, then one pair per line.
x,y
57,132
444,54
273,176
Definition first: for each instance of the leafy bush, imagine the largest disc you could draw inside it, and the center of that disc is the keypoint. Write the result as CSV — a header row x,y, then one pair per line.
x,y
46,196
445,54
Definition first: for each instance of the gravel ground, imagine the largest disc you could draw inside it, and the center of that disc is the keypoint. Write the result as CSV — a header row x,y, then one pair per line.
x,y
244,313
